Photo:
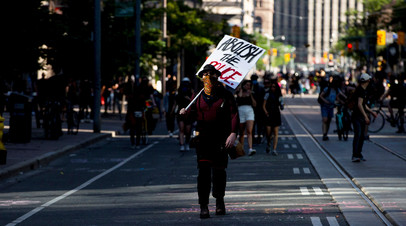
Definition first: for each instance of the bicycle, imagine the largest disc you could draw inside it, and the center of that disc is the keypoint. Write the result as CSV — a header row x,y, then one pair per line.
x,y
343,121
377,124
141,125
72,119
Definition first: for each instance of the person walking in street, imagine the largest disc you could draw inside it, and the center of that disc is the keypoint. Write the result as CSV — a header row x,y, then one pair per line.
x,y
258,92
328,98
360,117
272,103
397,93
246,103
217,125
183,98
169,107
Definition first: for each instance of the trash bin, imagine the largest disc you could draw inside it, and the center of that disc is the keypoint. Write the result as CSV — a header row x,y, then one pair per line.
x,y
20,118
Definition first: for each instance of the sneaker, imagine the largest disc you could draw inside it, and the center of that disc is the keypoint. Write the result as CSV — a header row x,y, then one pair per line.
x,y
252,152
182,148
362,159
274,152
187,147
170,135
325,137
356,159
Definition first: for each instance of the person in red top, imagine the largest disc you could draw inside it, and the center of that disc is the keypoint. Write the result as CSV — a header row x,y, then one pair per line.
x,y
216,113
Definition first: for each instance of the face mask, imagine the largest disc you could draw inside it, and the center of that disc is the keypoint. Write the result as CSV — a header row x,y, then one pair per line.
x,y
207,85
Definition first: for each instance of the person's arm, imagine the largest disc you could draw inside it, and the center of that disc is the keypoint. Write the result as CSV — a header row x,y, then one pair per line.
x,y
384,95
235,122
254,102
322,97
264,107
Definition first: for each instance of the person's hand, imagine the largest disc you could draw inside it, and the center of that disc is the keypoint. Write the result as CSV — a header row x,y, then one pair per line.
x,y
231,140
374,114
367,121
182,111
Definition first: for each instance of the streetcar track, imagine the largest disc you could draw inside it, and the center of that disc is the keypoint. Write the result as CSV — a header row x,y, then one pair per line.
x,y
375,207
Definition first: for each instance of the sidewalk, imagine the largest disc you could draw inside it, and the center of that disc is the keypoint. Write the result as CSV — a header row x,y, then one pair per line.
x,y
22,157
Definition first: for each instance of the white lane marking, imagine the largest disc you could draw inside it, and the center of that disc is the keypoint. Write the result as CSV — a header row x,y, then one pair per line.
x,y
290,156
318,191
294,146
283,138
286,146
299,156
316,221
290,138
286,132
332,221
296,171
80,187
304,191
306,170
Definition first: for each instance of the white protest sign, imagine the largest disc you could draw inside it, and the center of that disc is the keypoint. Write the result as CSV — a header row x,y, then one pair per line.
x,y
234,58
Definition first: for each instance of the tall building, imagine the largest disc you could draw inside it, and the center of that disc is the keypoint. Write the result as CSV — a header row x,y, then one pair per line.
x,y
236,12
312,26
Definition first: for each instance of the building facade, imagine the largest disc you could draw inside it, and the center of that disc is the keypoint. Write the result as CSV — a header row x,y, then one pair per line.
x,y
312,26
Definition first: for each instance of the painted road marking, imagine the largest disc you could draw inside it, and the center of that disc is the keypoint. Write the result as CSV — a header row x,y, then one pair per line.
x,y
283,138
299,156
286,146
316,221
318,191
304,191
296,171
332,221
294,146
290,156
80,187
306,170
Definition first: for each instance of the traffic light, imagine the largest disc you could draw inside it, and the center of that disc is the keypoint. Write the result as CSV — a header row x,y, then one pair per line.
x,y
349,47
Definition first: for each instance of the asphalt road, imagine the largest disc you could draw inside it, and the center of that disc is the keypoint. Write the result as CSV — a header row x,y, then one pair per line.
x,y
111,184
310,182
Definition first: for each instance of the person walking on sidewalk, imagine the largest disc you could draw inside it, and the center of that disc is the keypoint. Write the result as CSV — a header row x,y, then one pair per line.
x,y
217,125
360,117
183,98
272,103
246,104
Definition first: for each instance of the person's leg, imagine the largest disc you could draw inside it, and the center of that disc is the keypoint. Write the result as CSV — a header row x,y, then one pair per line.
x,y
275,136
242,132
355,142
188,128
250,125
181,126
203,189
219,188
268,139
361,139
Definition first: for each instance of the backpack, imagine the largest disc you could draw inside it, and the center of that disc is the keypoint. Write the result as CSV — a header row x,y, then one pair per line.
x,y
351,101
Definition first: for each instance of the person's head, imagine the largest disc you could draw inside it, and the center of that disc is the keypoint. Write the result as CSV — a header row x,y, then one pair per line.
x,y
267,81
364,78
246,85
211,71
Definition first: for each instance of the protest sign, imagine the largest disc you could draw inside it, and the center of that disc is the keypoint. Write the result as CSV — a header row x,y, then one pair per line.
x,y
234,58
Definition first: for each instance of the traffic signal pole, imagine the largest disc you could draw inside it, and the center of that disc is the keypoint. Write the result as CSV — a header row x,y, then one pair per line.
x,y
97,66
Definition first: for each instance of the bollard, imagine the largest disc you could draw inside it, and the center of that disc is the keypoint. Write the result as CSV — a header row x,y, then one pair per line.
x,y
3,151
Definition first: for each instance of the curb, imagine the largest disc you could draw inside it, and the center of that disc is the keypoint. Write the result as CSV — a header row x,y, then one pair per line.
x,y
44,159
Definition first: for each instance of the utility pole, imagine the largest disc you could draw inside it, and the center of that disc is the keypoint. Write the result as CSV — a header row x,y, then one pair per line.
x,y
137,39
165,38
97,67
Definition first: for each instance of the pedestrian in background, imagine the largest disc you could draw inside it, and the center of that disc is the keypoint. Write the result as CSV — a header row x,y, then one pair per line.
x,y
217,124
328,98
360,117
272,103
258,91
246,104
183,99
169,107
